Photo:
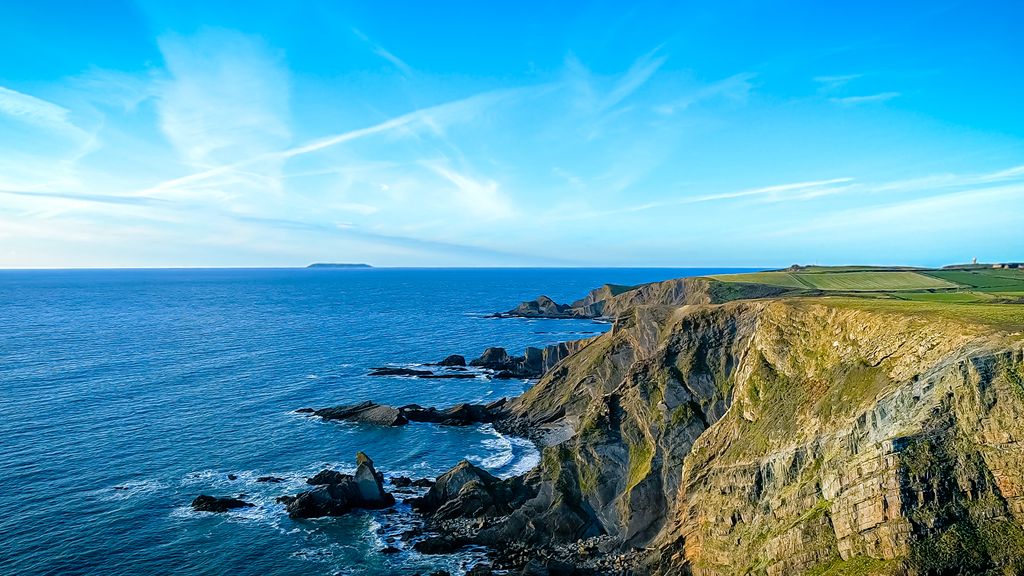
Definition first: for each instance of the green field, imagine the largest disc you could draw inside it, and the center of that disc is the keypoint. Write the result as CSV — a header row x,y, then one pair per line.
x,y
844,280
983,279
1004,316
984,296
948,297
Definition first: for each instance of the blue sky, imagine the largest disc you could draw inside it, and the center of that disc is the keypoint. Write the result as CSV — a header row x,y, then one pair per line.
x,y
470,134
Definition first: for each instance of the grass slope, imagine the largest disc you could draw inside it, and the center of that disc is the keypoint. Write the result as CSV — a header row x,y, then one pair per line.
x,y
993,297
847,280
983,279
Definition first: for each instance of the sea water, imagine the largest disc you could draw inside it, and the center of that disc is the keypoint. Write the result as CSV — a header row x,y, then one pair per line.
x,y
124,394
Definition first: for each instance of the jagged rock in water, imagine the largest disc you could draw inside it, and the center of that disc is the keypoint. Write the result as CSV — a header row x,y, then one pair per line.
x,y
366,412
206,503
337,494
325,477
406,482
370,483
458,415
493,358
373,413
534,362
455,360
393,371
467,491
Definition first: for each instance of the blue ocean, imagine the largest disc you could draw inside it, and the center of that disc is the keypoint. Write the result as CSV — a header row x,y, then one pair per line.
x,y
124,394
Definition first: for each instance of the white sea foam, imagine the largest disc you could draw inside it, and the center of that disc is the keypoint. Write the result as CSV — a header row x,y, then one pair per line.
x,y
510,455
131,489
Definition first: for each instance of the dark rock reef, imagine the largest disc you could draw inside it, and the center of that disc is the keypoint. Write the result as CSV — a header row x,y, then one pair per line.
x,y
380,414
336,494
206,503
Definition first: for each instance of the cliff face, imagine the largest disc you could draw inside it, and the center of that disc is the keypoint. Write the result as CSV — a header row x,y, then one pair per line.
x,y
782,437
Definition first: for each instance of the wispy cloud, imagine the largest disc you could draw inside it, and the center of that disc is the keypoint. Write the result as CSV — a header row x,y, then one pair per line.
x,y
777,192
593,99
774,193
225,97
802,191
481,198
638,74
40,113
832,83
941,213
83,197
456,111
735,88
379,50
854,100
32,109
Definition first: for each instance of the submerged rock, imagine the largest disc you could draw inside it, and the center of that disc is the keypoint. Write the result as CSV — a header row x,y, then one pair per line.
x,y
271,479
206,503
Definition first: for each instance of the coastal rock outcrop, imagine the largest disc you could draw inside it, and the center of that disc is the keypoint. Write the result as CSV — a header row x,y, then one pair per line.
x,y
206,503
454,360
365,412
467,491
610,300
416,373
383,415
336,494
534,363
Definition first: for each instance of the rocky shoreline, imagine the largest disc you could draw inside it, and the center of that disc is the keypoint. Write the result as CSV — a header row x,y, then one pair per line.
x,y
465,506
727,431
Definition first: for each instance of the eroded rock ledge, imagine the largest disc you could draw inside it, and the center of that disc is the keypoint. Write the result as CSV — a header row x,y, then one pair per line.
x,y
384,415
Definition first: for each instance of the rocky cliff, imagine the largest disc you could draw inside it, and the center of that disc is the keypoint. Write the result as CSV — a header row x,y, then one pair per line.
x,y
780,436
610,300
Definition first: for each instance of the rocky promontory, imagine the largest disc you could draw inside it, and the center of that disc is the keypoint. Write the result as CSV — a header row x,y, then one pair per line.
x,y
372,413
610,300
754,429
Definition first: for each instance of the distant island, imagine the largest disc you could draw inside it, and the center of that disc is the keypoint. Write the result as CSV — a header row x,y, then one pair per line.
x,y
338,265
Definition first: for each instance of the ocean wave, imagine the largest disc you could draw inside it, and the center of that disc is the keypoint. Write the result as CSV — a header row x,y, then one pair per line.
x,y
131,489
510,455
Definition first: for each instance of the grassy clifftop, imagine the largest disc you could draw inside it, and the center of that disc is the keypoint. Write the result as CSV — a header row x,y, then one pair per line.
x,y
980,285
